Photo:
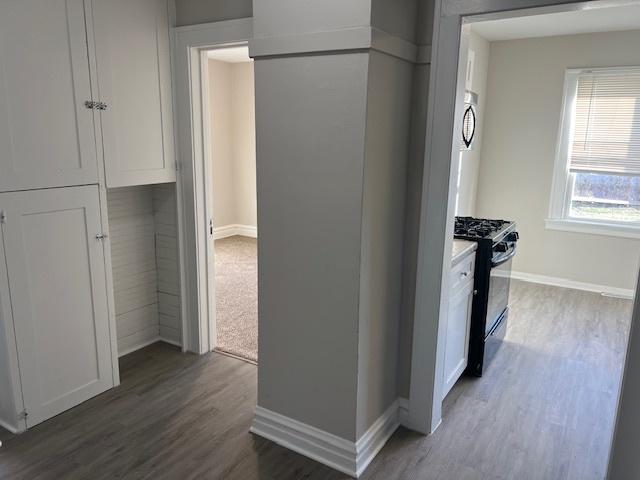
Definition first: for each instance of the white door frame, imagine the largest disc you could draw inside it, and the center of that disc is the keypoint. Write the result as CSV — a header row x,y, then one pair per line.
x,y
438,190
189,48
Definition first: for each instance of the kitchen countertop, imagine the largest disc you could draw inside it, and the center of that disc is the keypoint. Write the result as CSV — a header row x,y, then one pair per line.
x,y
461,248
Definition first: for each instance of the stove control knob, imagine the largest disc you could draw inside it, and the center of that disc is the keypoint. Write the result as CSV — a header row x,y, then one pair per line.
x,y
501,247
513,237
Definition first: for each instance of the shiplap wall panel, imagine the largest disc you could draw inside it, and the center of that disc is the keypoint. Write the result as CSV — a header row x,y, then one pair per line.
x,y
144,257
133,260
164,200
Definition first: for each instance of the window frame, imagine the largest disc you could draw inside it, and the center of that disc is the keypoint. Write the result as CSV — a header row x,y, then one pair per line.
x,y
563,179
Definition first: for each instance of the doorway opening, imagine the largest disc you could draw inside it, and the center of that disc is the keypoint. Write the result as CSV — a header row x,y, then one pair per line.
x,y
228,107
541,320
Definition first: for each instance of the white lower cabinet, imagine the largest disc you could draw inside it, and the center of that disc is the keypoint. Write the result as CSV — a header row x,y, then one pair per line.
x,y
458,323
53,276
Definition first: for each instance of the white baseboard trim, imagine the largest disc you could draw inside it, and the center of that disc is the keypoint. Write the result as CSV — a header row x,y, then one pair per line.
x,y
140,345
326,448
403,411
235,229
346,456
369,444
566,283
170,342
146,343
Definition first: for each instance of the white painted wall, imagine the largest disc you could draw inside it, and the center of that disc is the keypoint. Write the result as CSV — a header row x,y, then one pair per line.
x,y
221,142
233,143
243,131
524,96
470,160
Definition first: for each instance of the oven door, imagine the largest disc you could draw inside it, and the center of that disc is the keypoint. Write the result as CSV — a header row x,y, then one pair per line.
x,y
499,281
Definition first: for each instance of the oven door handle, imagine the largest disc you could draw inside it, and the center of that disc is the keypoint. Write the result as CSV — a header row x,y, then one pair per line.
x,y
499,260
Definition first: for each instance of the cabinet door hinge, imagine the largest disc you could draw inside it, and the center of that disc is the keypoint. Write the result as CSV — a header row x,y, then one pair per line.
x,y
3,216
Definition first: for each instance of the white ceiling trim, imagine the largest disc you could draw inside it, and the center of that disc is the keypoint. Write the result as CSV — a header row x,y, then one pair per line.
x,y
231,54
610,19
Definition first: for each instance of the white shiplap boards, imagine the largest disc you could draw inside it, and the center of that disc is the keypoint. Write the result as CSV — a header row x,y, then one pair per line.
x,y
142,226
164,201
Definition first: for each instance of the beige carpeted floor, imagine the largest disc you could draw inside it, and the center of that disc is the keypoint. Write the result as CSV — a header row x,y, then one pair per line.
x,y
236,292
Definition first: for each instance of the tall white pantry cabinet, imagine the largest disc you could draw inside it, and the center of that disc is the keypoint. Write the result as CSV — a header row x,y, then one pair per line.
x,y
85,109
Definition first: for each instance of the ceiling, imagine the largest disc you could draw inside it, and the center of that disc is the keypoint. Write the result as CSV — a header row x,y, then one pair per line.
x,y
231,54
626,17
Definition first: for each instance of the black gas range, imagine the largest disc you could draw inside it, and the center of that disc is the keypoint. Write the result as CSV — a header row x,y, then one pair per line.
x,y
497,241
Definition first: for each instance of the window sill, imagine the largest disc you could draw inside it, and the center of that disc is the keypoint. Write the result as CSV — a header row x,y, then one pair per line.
x,y
593,228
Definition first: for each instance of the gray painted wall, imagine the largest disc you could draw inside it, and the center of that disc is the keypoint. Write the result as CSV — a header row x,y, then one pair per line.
x,y
397,17
419,97
286,17
415,169
340,142
191,12
385,170
624,461
310,175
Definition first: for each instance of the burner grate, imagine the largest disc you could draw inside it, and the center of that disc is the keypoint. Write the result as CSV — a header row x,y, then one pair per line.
x,y
477,227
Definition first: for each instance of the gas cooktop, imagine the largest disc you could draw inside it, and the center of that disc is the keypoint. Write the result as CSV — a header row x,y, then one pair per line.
x,y
469,228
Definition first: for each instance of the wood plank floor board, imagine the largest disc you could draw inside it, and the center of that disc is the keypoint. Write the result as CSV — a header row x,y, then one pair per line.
x,y
543,411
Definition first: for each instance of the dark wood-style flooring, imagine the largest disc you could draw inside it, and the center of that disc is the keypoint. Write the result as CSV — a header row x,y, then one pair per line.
x,y
544,410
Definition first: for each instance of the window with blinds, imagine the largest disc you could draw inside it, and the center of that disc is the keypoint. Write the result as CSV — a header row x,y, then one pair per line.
x,y
606,126
597,174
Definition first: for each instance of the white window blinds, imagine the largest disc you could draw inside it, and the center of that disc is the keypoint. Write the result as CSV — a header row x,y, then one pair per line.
x,y
606,123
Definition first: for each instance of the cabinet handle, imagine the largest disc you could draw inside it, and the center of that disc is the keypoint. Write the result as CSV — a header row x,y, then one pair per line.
x,y
465,274
95,105
101,236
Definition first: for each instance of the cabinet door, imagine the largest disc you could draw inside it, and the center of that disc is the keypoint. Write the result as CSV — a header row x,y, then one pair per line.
x,y
457,342
134,79
55,267
46,132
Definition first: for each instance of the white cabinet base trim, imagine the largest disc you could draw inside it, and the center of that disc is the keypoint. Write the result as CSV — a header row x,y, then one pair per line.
x,y
403,411
11,428
338,453
566,283
235,229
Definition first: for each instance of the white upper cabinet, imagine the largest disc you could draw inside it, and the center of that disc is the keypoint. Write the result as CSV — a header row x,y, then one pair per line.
x,y
134,81
46,133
